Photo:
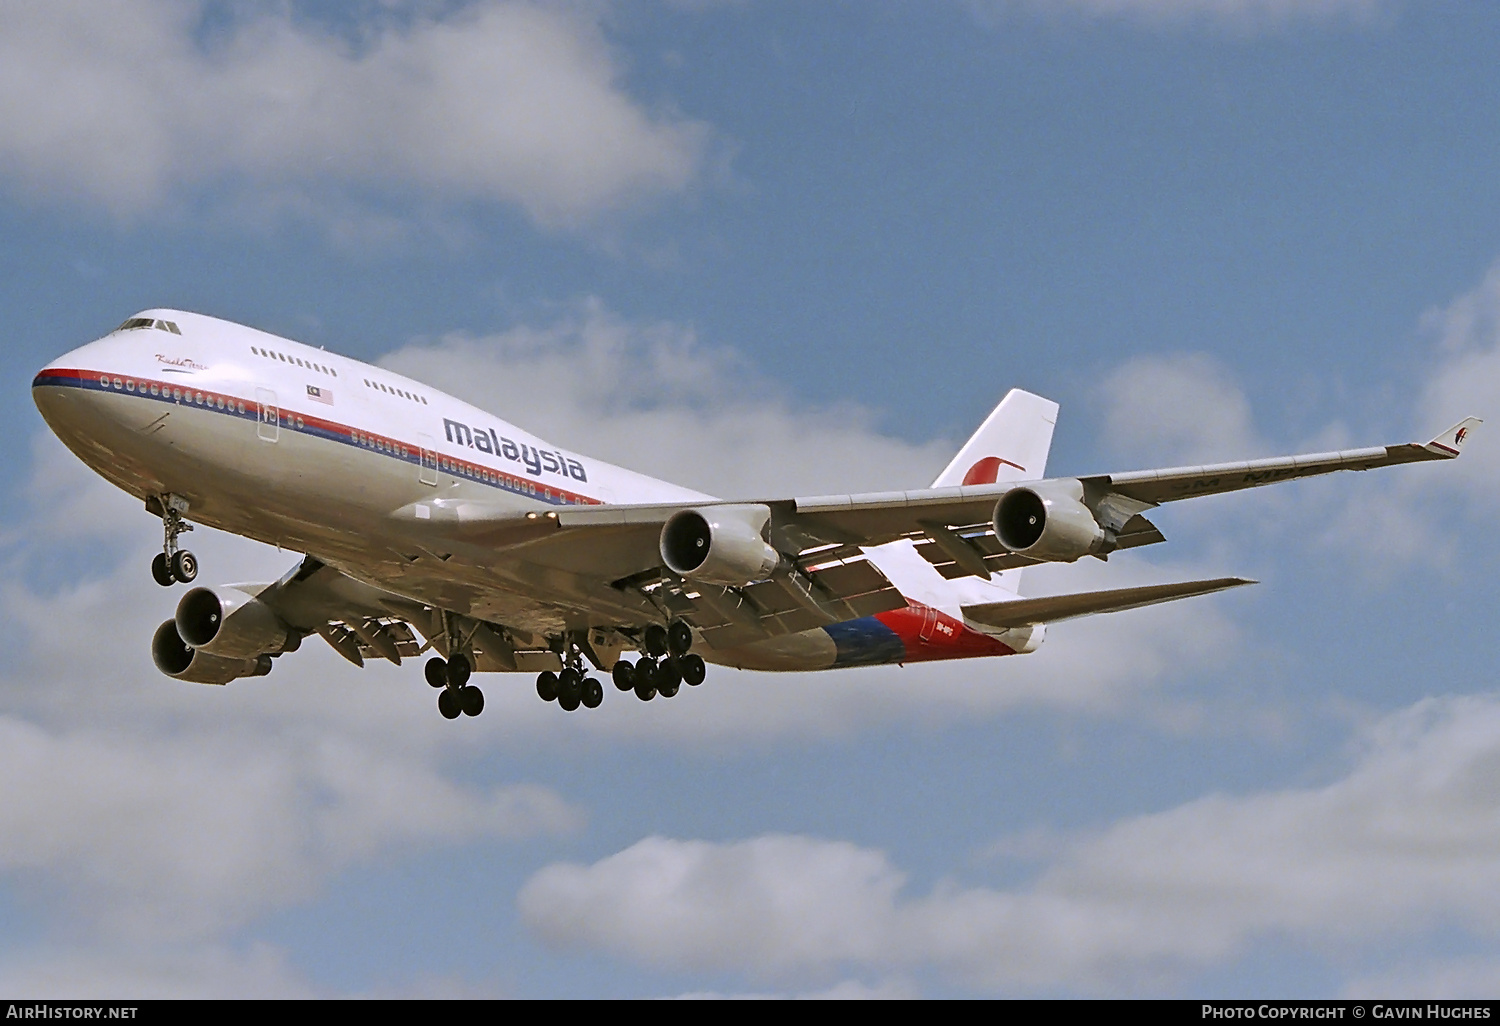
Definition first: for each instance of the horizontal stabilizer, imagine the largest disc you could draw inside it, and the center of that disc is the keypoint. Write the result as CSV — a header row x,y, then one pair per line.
x,y
1051,608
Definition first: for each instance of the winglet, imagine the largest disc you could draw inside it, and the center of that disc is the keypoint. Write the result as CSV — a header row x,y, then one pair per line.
x,y
1451,442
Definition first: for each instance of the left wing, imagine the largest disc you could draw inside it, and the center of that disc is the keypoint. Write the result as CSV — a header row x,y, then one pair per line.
x,y
234,630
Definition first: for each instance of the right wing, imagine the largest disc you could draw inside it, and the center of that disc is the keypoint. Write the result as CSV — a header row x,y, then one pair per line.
x,y
604,563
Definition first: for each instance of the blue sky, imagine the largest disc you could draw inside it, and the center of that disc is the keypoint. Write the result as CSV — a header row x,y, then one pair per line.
x,y
766,248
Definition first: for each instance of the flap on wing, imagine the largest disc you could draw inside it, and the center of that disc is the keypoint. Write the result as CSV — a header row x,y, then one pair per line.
x,y
1052,608
1137,531
359,639
839,585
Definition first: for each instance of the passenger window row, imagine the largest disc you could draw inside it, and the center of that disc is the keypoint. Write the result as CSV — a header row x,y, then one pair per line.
x,y
271,354
394,391
382,444
488,476
182,395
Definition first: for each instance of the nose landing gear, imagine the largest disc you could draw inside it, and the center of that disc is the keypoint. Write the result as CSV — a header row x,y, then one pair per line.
x,y
173,565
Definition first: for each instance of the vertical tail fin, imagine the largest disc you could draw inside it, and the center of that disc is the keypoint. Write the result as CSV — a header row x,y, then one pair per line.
x,y
1011,445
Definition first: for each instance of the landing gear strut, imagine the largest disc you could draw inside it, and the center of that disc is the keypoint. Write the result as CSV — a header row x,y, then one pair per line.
x,y
570,688
665,664
458,696
173,565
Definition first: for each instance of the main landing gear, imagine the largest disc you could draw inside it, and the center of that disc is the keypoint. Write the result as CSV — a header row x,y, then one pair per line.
x,y
666,665
458,696
173,565
570,688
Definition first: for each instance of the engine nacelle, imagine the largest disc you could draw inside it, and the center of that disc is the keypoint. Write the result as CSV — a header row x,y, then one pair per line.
x,y
176,658
1048,521
719,544
232,623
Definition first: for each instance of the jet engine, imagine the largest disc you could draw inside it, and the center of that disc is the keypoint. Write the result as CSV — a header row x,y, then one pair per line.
x,y
719,544
176,659
232,623
1048,521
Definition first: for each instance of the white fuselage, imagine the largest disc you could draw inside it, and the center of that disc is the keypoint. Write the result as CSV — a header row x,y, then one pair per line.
x,y
317,453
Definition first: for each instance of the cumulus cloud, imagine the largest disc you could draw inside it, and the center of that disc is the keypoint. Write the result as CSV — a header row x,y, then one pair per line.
x,y
153,973
146,814
653,398
1417,513
1399,846
1458,978
1465,379
161,837
845,990
503,100
1181,409
1187,409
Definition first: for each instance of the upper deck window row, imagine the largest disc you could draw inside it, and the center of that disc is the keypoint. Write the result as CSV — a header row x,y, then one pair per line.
x,y
272,354
395,391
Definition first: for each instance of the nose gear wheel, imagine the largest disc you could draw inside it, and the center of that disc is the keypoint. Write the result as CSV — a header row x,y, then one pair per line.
x,y
172,565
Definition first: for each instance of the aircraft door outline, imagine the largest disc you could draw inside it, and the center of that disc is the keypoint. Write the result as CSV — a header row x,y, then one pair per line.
x,y
427,471
268,421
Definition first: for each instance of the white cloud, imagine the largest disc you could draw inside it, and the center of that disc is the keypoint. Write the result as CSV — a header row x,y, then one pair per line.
x,y
1186,409
1453,979
1407,514
153,836
503,100
153,973
143,810
1465,380
1181,409
653,398
1400,846
773,904
845,990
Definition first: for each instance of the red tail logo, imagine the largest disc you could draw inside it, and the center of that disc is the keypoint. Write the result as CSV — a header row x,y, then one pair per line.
x,y
987,470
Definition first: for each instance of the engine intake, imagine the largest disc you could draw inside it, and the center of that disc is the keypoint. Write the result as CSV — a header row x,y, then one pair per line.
x,y
719,544
1048,521
177,659
233,623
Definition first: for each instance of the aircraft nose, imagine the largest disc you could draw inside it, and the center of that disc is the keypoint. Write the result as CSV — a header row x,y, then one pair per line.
x,y
69,392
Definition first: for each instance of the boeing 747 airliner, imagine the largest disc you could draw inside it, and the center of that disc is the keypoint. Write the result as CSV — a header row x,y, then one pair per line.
x,y
432,525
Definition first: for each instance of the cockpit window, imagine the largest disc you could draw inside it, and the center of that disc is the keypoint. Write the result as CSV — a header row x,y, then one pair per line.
x,y
146,322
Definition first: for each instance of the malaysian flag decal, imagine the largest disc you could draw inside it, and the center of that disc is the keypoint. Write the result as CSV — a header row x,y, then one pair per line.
x,y
320,395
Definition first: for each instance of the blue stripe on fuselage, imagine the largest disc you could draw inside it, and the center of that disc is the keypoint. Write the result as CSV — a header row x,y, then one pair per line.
x,y
865,642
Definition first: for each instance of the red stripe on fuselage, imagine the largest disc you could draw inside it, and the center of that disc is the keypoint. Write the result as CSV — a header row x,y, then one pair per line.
x,y
307,423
